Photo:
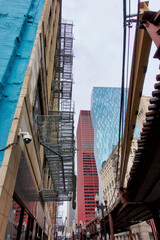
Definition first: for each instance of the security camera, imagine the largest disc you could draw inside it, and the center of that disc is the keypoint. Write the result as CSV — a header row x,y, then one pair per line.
x,y
27,138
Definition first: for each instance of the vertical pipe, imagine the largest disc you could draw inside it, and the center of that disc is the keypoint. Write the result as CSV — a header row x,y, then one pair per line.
x,y
111,226
103,220
130,233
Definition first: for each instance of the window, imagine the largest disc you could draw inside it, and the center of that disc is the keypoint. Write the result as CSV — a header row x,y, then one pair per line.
x,y
20,223
13,221
37,105
44,236
38,235
151,237
29,233
49,18
24,226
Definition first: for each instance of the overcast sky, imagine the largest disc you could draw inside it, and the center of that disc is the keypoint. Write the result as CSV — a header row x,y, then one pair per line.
x,y
98,41
98,45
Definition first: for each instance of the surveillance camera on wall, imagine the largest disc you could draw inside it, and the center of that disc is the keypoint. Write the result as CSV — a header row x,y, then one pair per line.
x,y
27,138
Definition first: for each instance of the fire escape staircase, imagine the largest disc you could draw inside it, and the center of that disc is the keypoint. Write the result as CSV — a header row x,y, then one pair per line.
x,y
57,128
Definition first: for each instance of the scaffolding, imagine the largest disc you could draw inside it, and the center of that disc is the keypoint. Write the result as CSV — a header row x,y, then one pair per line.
x,y
57,128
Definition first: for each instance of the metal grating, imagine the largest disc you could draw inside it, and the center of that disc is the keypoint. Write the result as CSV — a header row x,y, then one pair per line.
x,y
57,134
62,83
49,195
57,128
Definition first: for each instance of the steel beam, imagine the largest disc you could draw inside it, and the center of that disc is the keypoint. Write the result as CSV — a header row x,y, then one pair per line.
x,y
154,32
141,49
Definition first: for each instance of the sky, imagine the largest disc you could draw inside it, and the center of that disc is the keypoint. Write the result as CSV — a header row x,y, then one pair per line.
x,y
98,46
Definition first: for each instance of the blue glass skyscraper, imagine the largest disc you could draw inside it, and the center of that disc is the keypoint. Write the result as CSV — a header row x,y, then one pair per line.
x,y
105,114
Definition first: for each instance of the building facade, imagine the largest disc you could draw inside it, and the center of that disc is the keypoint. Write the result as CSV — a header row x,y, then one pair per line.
x,y
141,231
110,189
87,178
110,179
143,108
71,216
105,114
109,173
35,174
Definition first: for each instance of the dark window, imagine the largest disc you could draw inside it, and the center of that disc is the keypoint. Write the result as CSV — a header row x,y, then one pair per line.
x,y
151,237
49,19
13,221
38,235
37,105
20,223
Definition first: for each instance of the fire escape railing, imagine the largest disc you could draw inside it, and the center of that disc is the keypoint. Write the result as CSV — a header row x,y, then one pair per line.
x,y
57,128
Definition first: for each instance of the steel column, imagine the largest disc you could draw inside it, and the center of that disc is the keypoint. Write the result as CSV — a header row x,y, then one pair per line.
x,y
153,227
139,65
156,219
111,226
130,233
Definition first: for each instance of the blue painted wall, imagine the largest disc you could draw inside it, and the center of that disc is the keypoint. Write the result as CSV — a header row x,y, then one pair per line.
x,y
18,25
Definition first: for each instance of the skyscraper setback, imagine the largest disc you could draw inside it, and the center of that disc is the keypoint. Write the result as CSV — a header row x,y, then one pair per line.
x,y
87,177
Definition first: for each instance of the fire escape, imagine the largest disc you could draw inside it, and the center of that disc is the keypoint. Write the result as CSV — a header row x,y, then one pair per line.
x,y
57,128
